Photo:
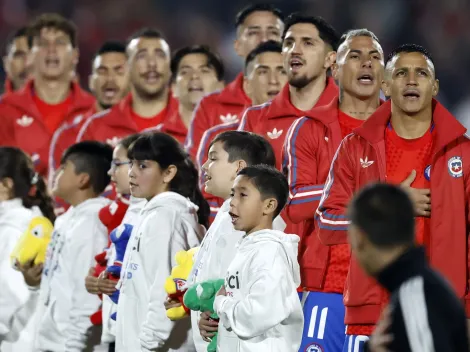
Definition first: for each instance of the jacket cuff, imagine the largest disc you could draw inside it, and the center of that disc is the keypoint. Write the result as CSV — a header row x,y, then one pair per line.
x,y
218,303
333,237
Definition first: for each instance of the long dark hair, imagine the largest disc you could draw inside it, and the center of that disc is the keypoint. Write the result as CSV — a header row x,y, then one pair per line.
x,y
166,151
27,184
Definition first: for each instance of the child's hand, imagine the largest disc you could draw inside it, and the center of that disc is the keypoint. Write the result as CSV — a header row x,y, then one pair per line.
x,y
91,282
222,291
207,326
171,303
31,273
105,285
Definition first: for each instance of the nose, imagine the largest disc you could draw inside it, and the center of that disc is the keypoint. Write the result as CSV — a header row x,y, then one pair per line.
x,y
412,78
367,63
274,78
131,172
204,166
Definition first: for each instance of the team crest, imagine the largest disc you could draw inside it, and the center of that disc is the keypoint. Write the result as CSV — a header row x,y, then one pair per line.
x,y
427,173
314,347
455,166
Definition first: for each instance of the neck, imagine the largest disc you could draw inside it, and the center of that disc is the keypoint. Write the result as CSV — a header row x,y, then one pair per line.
x,y
383,258
411,126
360,109
266,223
81,196
186,113
149,107
51,91
305,98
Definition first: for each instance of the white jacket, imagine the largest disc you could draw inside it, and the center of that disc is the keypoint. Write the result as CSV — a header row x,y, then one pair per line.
x,y
167,224
65,303
214,256
108,306
262,310
17,302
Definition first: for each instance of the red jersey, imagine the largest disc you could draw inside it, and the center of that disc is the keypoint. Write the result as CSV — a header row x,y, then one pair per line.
x,y
8,86
214,109
361,159
112,125
25,127
310,145
174,126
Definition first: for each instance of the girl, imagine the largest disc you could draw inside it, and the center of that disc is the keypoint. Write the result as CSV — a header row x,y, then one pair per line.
x,y
22,197
122,210
162,173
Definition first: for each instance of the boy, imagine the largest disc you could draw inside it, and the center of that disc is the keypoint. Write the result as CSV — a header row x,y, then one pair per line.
x,y
259,306
78,236
229,153
424,314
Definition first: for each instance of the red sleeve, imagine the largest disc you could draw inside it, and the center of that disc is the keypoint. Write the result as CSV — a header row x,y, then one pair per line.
x,y
85,133
246,124
339,188
299,157
199,124
467,200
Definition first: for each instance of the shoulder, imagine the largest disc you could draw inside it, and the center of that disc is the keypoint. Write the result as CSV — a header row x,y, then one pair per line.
x,y
99,116
269,255
209,99
258,109
17,218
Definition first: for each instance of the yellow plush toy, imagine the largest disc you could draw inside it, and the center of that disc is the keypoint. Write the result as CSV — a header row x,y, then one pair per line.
x,y
175,285
33,242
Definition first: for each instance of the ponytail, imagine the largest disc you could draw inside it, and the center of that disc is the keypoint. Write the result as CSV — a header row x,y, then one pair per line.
x,y
39,197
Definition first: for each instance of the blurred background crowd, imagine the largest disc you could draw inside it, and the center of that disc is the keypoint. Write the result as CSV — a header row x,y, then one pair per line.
x,y
441,26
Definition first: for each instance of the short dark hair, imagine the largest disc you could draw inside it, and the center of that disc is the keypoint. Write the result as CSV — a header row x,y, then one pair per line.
x,y
385,214
326,31
410,48
248,10
18,33
111,46
247,146
145,32
213,59
93,158
271,46
269,182
52,20
126,142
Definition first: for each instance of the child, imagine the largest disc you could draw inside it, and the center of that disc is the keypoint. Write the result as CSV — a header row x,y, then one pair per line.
x,y
229,153
122,210
162,173
78,237
258,307
22,196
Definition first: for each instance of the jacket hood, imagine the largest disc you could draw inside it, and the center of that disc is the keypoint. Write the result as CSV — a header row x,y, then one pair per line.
x,y
175,201
289,242
234,94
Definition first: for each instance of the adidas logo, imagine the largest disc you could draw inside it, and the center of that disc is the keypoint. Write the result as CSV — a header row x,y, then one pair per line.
x,y
113,141
229,118
24,121
275,133
365,163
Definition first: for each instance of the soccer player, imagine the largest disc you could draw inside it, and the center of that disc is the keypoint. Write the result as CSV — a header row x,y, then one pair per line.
x,y
196,71
15,60
31,115
109,84
149,104
308,150
309,49
411,140
255,24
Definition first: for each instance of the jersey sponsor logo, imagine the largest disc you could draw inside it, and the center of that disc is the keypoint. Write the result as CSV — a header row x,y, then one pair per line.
x,y
229,118
427,173
24,121
314,347
365,162
275,133
455,166
232,281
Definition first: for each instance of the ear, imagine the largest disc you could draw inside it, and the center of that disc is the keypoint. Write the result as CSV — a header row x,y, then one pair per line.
x,y
8,183
247,87
83,180
435,88
237,46
174,90
269,206
91,84
5,65
334,71
76,56
169,173
386,88
241,164
330,59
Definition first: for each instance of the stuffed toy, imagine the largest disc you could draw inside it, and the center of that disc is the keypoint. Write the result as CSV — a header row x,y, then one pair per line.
x,y
175,285
200,297
33,242
119,236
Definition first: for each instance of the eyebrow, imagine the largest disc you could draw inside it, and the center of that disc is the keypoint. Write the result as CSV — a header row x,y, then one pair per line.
x,y
190,67
360,51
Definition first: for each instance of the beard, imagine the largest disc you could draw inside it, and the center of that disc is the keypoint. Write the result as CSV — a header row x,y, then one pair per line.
x,y
150,95
300,82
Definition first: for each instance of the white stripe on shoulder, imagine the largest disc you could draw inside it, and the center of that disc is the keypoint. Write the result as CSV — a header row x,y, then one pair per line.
x,y
415,315
87,123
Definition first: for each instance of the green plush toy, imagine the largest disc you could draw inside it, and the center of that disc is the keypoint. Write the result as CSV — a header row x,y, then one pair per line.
x,y
200,297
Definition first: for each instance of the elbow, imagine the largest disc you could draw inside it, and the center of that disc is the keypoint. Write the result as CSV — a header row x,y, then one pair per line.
x,y
330,237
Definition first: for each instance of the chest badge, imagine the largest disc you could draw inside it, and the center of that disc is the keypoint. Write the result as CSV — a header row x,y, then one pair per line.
x,y
455,166
275,133
229,118
365,162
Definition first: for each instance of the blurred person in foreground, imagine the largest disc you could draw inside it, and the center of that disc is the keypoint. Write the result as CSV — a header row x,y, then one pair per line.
x,y
31,115
150,103
423,314
15,61
255,24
